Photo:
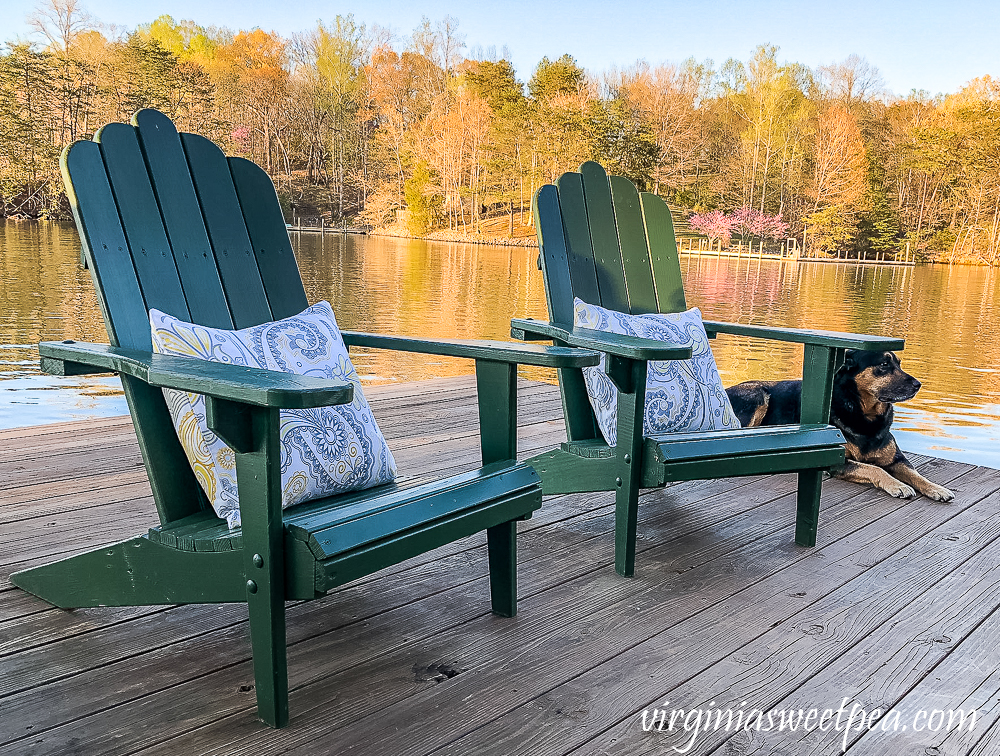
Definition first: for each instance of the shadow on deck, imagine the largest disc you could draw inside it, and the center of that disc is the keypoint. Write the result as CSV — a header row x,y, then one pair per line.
x,y
895,610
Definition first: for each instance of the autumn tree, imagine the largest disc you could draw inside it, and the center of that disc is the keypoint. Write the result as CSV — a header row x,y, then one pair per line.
x,y
838,178
668,98
770,102
558,123
495,82
252,76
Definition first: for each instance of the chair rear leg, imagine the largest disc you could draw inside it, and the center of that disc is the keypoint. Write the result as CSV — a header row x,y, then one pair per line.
x,y
502,545
807,510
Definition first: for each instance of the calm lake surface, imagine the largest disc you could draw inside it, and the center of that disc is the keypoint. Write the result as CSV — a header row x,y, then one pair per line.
x,y
948,316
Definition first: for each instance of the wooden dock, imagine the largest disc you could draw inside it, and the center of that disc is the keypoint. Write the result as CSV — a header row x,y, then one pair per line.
x,y
896,609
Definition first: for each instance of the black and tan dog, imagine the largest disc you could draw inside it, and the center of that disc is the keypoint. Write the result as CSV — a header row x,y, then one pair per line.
x,y
864,391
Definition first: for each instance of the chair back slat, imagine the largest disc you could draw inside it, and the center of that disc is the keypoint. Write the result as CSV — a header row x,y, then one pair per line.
x,y
666,265
634,250
182,220
269,237
140,218
105,246
604,237
227,232
579,248
559,290
554,256
176,492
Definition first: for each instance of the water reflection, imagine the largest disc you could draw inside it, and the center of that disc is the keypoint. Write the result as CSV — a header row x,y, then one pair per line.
x,y
417,288
413,288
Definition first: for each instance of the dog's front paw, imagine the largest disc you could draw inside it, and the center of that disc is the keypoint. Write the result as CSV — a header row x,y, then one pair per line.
x,y
937,493
899,490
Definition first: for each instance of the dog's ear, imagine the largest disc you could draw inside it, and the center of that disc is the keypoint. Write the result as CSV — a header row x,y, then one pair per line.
x,y
850,360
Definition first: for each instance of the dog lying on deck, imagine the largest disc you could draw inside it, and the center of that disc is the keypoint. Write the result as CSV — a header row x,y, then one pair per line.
x,y
864,390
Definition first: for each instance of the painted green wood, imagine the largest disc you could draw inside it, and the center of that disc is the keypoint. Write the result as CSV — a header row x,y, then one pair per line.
x,y
568,271
305,519
175,490
496,351
253,433
807,503
628,461
553,254
768,463
188,534
819,364
728,443
404,545
151,254
446,500
809,336
564,472
634,247
496,389
666,265
269,238
604,237
641,235
182,219
234,382
621,345
132,573
573,223
93,204
227,232
578,415
501,545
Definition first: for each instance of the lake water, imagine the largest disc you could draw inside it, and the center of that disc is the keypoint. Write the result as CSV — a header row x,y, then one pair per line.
x,y
948,316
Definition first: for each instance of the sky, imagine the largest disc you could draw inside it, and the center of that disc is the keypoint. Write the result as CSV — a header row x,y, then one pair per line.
x,y
919,44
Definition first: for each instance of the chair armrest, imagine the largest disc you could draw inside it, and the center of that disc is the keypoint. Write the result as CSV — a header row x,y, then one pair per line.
x,y
235,383
497,351
808,336
615,344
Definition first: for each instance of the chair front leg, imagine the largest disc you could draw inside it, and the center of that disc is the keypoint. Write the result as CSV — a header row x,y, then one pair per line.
x,y
252,432
629,376
819,366
496,387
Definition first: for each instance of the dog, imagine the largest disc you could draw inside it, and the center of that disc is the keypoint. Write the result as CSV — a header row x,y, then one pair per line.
x,y
864,390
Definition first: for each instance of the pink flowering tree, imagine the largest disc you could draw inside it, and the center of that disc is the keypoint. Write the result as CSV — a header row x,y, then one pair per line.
x,y
241,138
749,222
716,225
745,221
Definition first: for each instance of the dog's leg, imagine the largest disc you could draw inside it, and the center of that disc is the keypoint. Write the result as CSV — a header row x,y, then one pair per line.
x,y
859,472
758,414
904,471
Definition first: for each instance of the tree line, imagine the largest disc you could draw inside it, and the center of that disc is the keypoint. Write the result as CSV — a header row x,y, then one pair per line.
x,y
426,133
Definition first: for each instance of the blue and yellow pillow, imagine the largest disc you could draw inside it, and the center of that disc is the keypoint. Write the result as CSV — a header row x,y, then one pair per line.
x,y
324,451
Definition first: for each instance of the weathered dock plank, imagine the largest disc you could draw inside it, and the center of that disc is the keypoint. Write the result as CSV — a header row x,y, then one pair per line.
x,y
409,661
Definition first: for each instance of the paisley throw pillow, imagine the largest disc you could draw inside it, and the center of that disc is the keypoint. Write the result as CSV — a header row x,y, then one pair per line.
x,y
324,451
681,395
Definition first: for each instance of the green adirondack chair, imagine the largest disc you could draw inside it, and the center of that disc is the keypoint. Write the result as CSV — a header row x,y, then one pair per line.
x,y
604,242
167,221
